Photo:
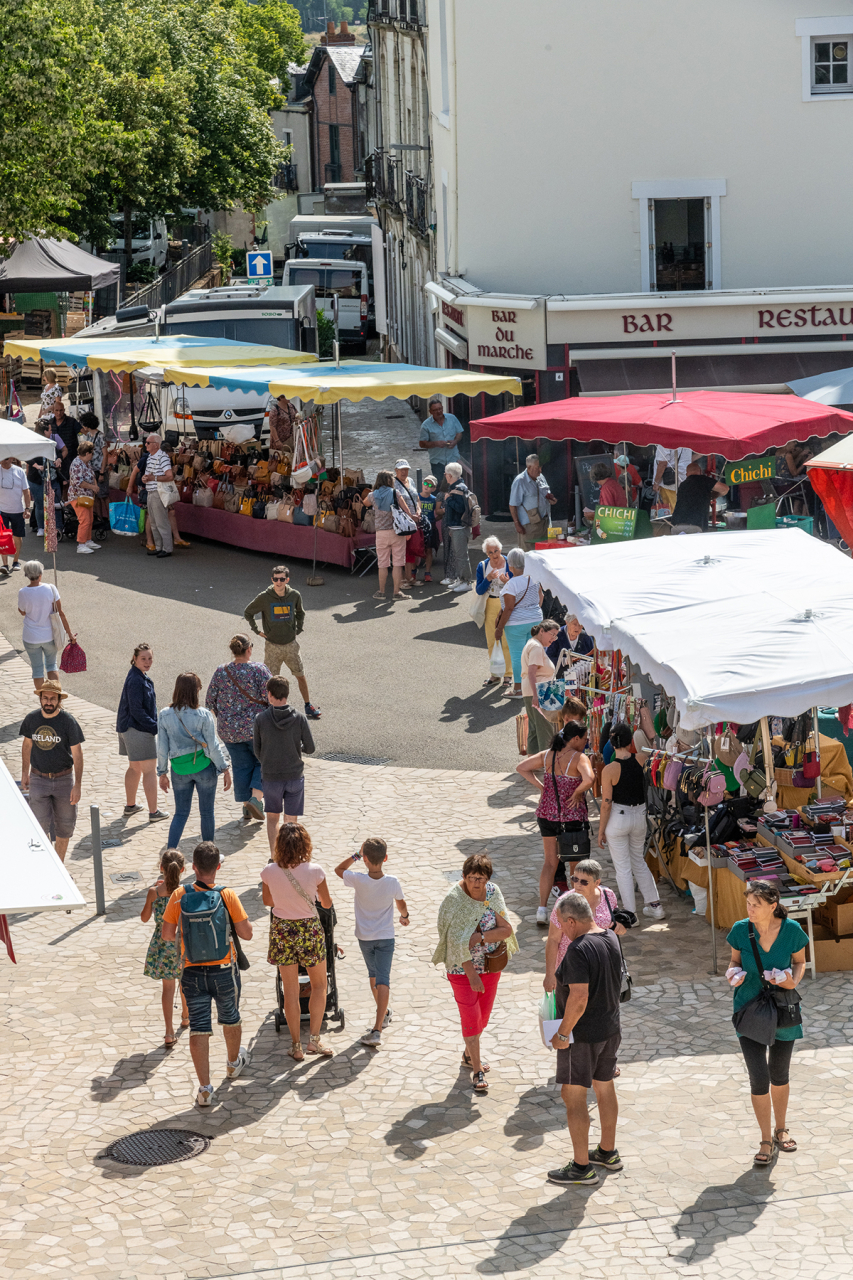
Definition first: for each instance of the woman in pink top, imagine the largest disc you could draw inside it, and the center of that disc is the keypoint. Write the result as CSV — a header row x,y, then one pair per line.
x,y
586,879
290,884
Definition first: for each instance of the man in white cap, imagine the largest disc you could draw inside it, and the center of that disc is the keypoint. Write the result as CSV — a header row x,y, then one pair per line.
x,y
408,500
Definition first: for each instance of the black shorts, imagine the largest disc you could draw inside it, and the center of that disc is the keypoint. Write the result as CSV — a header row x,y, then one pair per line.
x,y
581,1063
14,522
549,828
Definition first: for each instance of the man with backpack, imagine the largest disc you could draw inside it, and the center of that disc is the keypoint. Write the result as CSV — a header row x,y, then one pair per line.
x,y
461,515
209,921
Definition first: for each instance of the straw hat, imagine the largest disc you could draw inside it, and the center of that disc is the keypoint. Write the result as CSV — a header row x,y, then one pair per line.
x,y
51,686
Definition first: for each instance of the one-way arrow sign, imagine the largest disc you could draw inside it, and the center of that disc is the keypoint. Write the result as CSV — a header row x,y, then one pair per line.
x,y
258,265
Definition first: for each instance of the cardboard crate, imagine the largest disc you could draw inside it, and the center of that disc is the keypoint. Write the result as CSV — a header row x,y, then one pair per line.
x,y
837,913
831,956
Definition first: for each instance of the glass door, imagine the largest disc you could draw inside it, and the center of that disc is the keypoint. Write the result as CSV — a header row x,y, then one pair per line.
x,y
680,251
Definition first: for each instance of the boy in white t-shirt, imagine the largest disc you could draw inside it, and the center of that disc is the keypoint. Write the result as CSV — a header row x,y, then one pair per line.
x,y
375,897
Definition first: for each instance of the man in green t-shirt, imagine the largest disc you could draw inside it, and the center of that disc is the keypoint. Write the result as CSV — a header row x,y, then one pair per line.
x,y
282,619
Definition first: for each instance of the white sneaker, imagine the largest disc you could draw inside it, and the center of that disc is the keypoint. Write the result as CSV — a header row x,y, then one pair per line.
x,y
234,1068
542,915
83,549
448,582
554,894
452,584
389,1014
656,913
96,546
462,588
204,1097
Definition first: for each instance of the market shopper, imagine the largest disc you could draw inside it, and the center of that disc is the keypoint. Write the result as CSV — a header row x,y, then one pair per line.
x,y
82,489
530,500
692,506
67,428
390,546
440,436
585,879
780,945
52,765
41,472
537,667
675,461
90,426
622,826
475,940
567,777
429,511
158,470
610,494
136,726
163,959
236,695
189,750
493,574
521,609
37,602
589,981
406,495
279,736
51,391
456,530
15,503
282,618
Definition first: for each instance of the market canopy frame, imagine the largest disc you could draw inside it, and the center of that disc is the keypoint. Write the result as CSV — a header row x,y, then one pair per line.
x,y
127,354
350,380
734,424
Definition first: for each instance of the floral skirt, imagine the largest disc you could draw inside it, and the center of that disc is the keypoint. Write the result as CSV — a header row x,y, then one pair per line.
x,y
163,959
296,942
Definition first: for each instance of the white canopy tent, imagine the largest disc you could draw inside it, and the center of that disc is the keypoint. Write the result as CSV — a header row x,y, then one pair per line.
x,y
825,388
734,626
32,877
18,441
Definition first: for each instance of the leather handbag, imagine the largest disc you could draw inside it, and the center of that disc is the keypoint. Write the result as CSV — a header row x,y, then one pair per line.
x,y
325,517
754,780
246,505
285,509
811,765
202,497
272,510
713,789
232,502
671,774
727,748
496,960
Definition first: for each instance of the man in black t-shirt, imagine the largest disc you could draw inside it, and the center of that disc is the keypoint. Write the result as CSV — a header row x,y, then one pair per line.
x,y
67,428
588,986
52,764
693,504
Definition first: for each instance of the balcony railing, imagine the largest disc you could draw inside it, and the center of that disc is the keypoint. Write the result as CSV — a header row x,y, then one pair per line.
x,y
286,179
416,203
393,186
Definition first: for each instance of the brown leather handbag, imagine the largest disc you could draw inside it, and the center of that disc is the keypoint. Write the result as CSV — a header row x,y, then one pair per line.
x,y
496,960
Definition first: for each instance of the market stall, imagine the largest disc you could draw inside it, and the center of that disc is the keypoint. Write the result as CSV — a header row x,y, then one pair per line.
x,y
125,355
831,476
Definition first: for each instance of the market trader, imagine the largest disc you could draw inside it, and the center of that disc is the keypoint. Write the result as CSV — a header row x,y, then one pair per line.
x,y
440,435
15,504
282,617
693,505
529,501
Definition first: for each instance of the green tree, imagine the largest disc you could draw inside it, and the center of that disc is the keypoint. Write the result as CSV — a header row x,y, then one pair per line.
x,y
50,134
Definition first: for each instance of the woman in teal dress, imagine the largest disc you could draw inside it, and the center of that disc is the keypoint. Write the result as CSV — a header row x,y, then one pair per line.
x,y
781,946
163,961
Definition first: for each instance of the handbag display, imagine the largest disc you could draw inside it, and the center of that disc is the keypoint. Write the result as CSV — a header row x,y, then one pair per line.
x,y
309,504
773,1009
713,788
754,780
727,748
232,502
202,497
368,521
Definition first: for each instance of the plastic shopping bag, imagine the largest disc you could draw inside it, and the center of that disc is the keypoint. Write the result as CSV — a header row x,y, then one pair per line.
x,y
549,1023
124,518
497,665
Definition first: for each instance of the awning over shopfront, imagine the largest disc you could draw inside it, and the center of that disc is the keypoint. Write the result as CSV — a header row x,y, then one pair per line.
x,y
48,266
123,355
831,476
351,380
734,425
734,625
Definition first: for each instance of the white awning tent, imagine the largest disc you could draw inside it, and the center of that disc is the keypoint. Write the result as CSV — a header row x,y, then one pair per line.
x,y
18,441
32,877
734,626
825,388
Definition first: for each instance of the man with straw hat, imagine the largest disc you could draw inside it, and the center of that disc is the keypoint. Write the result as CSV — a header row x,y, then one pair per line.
x,y
52,765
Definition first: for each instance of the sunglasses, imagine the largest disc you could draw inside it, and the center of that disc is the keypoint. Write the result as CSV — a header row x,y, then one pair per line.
x,y
281,579
577,880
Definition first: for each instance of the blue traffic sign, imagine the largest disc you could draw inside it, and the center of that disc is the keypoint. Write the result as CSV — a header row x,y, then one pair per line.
x,y
258,264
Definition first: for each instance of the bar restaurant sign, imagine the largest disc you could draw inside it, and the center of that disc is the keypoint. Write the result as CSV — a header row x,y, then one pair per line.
x,y
507,336
751,470
614,524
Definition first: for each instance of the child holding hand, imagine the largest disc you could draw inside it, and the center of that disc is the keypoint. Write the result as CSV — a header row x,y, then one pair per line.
x,y
163,960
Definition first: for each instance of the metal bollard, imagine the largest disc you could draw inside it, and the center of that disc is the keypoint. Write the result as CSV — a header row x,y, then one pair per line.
x,y
419,478
97,860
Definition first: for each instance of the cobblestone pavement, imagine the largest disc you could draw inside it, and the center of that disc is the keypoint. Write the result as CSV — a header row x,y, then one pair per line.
x,y
384,1163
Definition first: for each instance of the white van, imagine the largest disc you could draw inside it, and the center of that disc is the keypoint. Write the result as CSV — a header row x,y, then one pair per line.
x,y
149,238
330,278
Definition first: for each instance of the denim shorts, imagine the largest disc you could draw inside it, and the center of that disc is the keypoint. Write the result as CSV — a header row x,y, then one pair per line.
x,y
378,954
282,796
42,657
204,983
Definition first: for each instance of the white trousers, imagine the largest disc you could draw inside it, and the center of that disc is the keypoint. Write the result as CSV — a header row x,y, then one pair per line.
x,y
626,840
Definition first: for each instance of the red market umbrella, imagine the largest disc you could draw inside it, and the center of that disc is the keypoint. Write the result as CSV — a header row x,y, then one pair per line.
x,y
734,424
831,476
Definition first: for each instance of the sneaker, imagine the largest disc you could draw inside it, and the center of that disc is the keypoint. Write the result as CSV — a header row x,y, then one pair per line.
x,y
389,1014
542,915
96,546
554,894
462,588
131,809
159,815
204,1097
15,565
311,711
655,910
83,549
427,577
372,1038
572,1175
234,1068
254,809
611,1162
452,584
446,582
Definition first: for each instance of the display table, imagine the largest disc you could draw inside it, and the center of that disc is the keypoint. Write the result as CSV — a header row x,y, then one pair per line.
x,y
276,537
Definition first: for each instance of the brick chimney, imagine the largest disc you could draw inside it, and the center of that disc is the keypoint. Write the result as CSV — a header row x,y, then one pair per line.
x,y
337,37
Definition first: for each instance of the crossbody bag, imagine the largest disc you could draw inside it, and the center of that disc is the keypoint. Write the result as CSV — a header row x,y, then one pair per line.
x,y
303,895
773,1009
248,696
573,836
190,763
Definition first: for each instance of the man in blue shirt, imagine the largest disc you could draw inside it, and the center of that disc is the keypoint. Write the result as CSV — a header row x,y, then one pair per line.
x,y
440,435
530,500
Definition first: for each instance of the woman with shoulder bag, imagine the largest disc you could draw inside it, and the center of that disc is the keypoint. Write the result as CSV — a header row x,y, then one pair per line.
x,y
188,746
237,693
136,726
475,943
536,668
492,574
568,776
520,610
768,954
585,880
623,822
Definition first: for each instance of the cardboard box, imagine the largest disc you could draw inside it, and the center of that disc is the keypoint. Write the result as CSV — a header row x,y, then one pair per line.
x,y
837,913
831,956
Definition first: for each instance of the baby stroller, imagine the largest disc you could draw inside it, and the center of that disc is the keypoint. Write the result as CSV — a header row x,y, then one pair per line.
x,y
328,920
66,527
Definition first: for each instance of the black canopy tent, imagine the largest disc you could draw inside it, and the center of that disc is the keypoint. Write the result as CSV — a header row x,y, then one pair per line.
x,y
50,266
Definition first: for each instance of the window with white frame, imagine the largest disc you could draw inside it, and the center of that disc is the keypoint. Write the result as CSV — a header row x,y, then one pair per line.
x,y
827,57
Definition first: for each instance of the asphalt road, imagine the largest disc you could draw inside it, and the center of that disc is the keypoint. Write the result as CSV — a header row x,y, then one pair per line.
x,y
399,682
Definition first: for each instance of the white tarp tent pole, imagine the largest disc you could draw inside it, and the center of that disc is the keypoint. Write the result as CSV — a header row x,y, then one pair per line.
x,y
32,877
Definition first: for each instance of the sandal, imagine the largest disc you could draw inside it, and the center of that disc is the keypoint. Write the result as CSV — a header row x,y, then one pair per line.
x,y
759,1158
788,1145
491,680
478,1080
315,1045
170,1040
466,1062
295,1051
379,595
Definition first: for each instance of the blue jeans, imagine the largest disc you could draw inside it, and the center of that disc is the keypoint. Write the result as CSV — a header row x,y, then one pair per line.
x,y
204,983
245,770
42,657
37,492
516,637
183,785
378,954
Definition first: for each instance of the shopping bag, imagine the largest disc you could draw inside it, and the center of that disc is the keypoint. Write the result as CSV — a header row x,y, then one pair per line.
x,y
497,664
7,541
73,659
124,518
552,697
549,1023
522,729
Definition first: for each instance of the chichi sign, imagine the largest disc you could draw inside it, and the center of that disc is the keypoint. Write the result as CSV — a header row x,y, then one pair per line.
x,y
507,336
751,470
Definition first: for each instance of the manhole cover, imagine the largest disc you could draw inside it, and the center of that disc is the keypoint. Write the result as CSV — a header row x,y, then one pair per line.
x,y
122,877
157,1146
343,757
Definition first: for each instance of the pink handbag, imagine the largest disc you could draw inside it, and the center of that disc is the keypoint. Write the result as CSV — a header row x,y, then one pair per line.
x,y
714,789
671,774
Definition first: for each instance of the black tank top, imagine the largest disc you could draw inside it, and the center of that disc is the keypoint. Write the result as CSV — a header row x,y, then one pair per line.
x,y
631,787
